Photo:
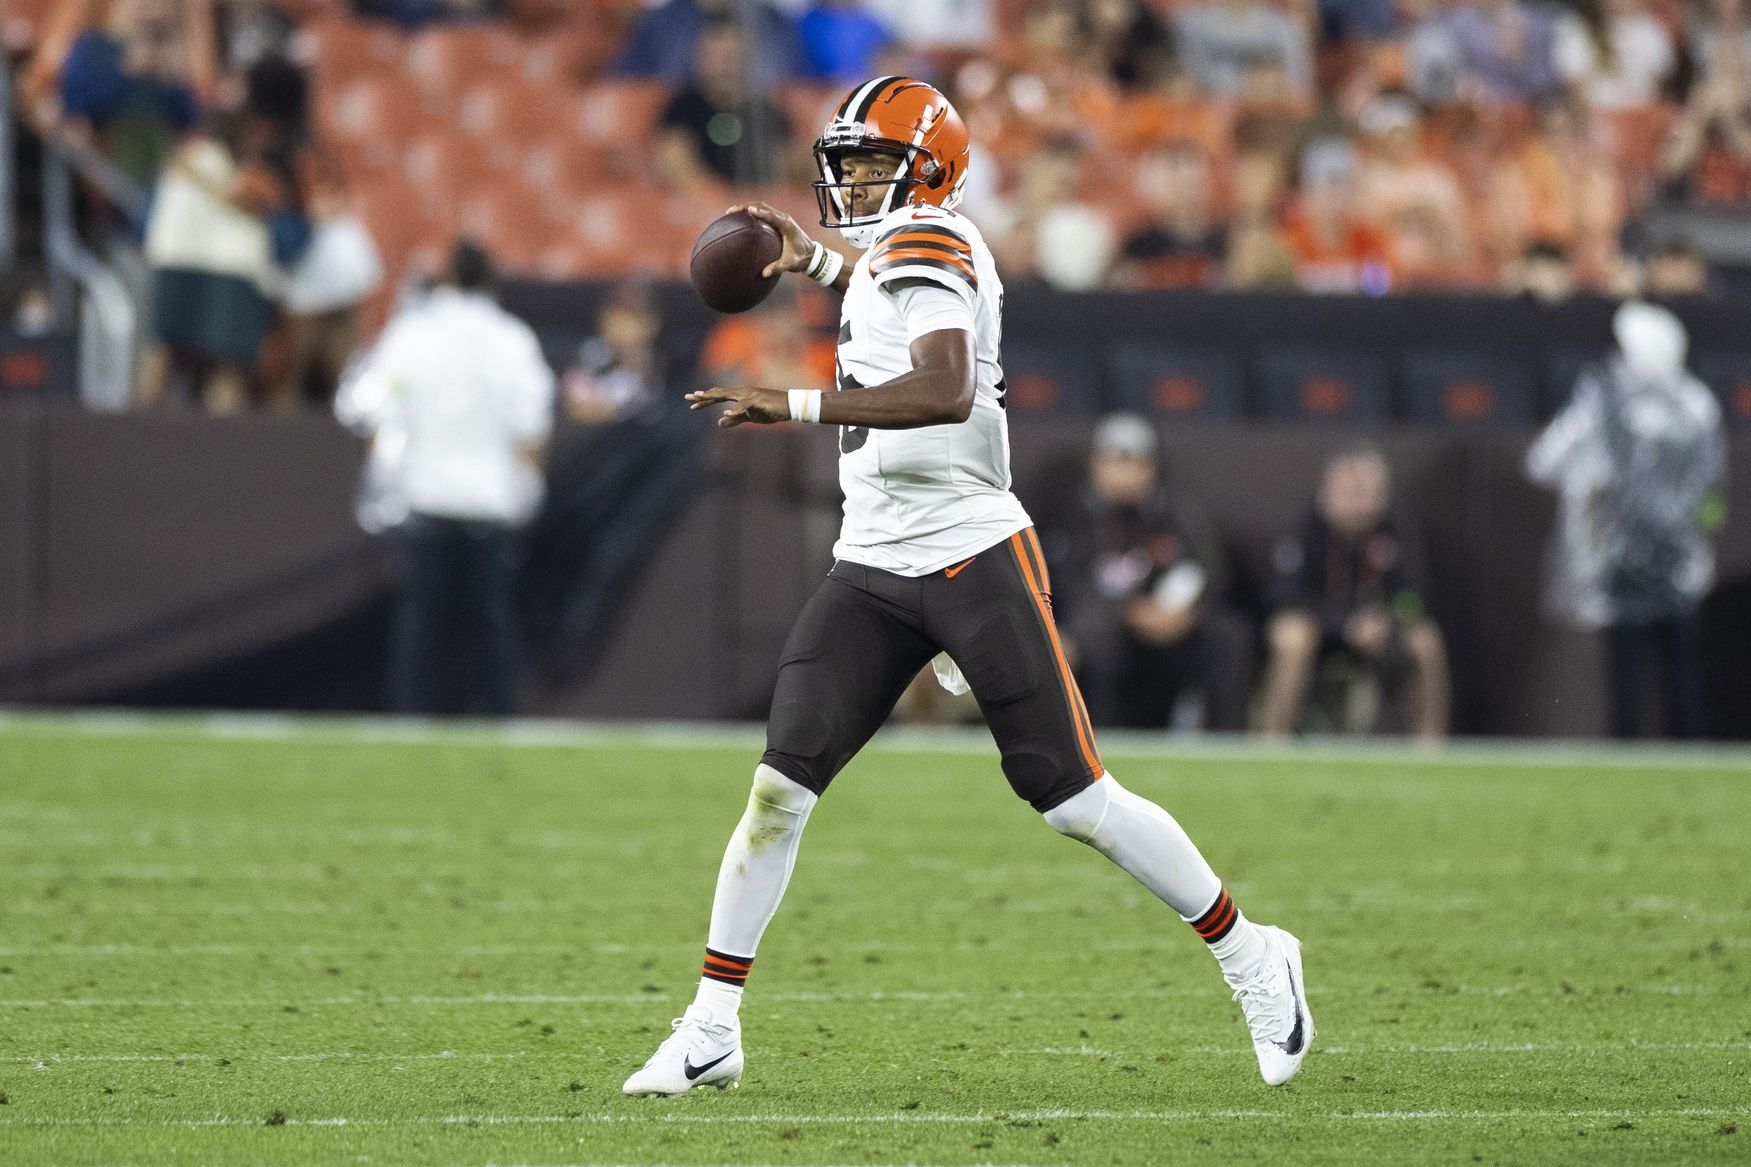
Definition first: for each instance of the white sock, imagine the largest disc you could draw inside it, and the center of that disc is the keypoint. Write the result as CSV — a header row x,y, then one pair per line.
x,y
750,883
1150,845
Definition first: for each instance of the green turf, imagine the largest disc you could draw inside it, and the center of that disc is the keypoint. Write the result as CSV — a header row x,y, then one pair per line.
x,y
317,948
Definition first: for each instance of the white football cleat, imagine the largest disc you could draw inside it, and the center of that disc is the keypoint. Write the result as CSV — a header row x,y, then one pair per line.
x,y
703,1051
1275,1004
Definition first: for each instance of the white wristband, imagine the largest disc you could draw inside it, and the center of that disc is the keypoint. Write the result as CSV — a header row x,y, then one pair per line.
x,y
824,265
805,405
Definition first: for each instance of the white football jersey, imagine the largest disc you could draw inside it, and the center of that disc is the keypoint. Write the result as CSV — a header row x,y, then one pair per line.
x,y
920,500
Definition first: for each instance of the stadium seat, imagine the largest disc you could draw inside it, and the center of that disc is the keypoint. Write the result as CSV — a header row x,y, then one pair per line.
x,y
1467,387
1050,378
1323,384
339,50
1185,384
1728,373
377,115
455,58
618,115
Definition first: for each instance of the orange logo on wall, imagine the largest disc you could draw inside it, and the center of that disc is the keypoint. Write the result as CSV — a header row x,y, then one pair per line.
x,y
1742,399
1034,391
1325,395
24,370
1179,394
1468,400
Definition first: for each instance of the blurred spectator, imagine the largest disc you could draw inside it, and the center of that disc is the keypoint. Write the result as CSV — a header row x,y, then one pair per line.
x,y
1487,50
30,313
1045,231
1676,267
459,404
418,13
1335,248
772,345
1363,20
1637,456
618,371
666,41
1557,188
1544,273
131,82
1413,197
1349,585
326,291
1141,592
1259,258
1616,53
1131,42
252,30
842,40
1226,45
1182,245
715,123
932,25
1705,160
214,274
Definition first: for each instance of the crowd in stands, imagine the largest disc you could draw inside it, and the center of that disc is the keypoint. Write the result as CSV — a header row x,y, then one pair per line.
x,y
1361,146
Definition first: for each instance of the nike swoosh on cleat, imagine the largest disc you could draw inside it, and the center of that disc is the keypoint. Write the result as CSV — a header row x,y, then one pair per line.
x,y
692,1071
1292,1045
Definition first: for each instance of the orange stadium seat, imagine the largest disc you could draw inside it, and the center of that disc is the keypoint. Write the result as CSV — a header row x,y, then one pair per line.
x,y
615,115
807,107
452,58
1632,138
370,121
24,22
506,109
338,50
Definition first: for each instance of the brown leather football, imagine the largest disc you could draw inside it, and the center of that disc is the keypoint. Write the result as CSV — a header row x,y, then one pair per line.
x,y
728,259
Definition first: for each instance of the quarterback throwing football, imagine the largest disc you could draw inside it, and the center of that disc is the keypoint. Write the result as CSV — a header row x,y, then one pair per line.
x,y
935,556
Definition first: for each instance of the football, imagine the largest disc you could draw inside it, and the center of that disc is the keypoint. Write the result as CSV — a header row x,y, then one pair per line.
x,y
728,259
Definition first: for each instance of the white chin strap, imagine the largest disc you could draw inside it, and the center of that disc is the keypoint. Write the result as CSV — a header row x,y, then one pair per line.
x,y
860,236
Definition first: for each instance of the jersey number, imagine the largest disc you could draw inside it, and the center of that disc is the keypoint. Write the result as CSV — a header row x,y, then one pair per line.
x,y
851,437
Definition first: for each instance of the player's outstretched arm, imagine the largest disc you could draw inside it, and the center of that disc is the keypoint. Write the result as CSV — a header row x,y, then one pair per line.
x,y
799,248
938,391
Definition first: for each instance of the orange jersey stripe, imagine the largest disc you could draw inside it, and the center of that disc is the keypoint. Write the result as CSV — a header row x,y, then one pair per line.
x,y
915,235
1084,740
895,256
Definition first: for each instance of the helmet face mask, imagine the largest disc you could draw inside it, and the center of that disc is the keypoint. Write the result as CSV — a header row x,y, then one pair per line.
x,y
838,195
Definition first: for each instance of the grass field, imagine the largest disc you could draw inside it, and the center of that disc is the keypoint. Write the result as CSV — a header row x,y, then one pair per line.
x,y
248,943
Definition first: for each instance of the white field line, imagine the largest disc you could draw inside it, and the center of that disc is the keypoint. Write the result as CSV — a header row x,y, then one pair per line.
x,y
47,1061
749,737
877,996
73,905
436,951
896,1118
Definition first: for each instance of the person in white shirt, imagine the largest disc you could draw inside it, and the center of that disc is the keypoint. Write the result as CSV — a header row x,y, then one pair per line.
x,y
458,402
937,562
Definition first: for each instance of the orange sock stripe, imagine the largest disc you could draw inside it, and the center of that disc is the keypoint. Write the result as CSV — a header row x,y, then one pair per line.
x,y
722,974
1084,738
1215,922
1033,541
728,960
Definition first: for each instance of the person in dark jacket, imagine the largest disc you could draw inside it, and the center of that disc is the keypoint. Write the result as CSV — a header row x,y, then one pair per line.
x,y
1140,583
1350,581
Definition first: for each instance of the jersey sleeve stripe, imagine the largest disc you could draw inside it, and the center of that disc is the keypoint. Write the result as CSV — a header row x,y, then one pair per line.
x,y
924,231
910,264
927,251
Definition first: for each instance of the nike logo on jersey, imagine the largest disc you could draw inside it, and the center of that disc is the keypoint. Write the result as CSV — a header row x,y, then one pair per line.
x,y
951,572
1292,1044
692,1071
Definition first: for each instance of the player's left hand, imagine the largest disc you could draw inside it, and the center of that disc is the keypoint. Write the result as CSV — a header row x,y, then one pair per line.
x,y
746,404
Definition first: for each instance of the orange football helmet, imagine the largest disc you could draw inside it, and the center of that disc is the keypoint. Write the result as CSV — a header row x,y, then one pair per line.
x,y
899,116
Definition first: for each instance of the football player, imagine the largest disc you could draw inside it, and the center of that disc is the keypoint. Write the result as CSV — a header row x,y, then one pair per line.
x,y
935,556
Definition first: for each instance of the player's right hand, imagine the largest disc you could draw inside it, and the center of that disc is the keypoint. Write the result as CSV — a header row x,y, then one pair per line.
x,y
799,249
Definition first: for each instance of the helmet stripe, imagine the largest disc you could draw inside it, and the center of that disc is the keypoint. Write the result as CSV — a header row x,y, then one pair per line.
x,y
870,93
